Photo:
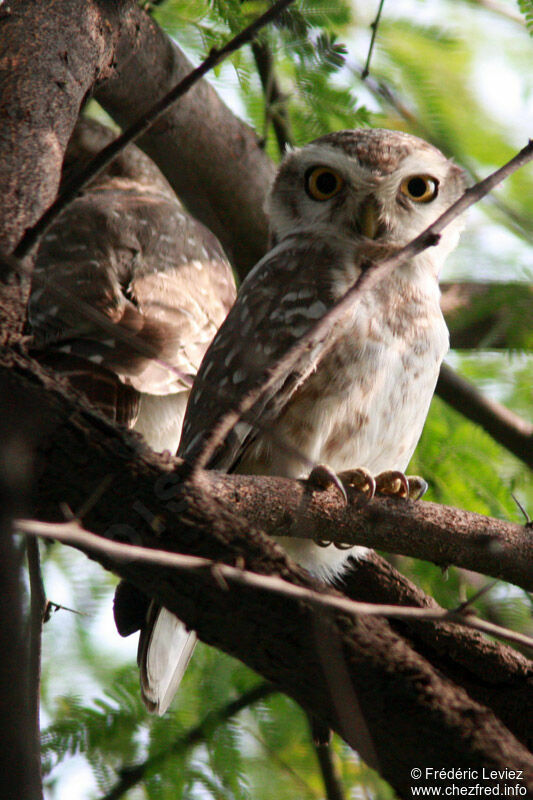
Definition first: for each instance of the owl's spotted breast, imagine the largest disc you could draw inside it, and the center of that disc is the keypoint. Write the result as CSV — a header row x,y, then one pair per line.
x,y
366,400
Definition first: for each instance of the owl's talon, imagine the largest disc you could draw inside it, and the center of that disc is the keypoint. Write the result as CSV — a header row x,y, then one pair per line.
x,y
323,477
392,482
360,479
417,487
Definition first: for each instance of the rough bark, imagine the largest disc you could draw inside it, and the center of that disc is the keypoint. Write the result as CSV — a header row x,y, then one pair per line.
x,y
433,532
51,54
328,664
210,157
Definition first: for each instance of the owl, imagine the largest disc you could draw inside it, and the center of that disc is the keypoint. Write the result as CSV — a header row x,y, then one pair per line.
x,y
358,403
127,248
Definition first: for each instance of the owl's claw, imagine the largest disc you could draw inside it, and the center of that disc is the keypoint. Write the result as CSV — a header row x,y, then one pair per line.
x,y
323,477
360,479
417,487
394,482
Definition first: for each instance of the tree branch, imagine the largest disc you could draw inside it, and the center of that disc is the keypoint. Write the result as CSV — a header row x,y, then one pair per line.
x,y
319,662
142,124
332,782
56,52
73,534
35,623
219,600
211,158
19,730
374,27
275,102
503,425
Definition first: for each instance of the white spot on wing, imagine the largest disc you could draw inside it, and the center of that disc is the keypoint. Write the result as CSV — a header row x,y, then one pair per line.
x,y
238,376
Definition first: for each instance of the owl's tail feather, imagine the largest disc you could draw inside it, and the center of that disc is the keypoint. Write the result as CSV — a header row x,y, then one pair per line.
x,y
165,649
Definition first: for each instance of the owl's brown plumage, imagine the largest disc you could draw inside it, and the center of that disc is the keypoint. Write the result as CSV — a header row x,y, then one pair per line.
x,y
361,398
127,248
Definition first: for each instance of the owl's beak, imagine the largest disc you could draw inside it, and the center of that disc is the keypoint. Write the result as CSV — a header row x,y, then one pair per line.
x,y
368,217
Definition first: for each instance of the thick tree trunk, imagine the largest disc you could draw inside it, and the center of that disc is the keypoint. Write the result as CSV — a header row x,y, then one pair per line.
x,y
51,55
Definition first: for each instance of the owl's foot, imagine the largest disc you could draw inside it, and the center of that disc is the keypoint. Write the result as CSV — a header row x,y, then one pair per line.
x,y
391,482
360,479
417,487
323,477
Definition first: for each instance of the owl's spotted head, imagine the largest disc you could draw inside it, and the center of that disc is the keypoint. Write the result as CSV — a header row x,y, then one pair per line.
x,y
366,184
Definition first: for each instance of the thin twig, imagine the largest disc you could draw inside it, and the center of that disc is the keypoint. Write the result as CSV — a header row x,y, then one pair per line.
x,y
73,534
37,614
52,608
462,607
332,784
131,776
275,110
370,275
109,153
522,509
374,27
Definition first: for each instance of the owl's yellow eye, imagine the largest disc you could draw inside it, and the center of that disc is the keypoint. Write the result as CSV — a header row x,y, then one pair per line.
x,y
321,183
420,188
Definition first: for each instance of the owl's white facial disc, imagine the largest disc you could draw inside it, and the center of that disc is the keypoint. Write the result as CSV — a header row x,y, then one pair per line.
x,y
390,187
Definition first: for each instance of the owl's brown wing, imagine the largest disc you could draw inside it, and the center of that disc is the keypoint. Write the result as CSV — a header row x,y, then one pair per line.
x,y
148,267
280,300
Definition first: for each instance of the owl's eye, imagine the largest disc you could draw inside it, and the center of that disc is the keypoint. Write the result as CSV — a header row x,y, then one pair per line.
x,y
321,183
420,188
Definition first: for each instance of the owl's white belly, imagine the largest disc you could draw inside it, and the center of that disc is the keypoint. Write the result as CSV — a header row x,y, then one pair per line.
x,y
364,407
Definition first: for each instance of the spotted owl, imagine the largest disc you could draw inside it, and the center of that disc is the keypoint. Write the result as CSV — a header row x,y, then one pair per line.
x,y
127,248
361,399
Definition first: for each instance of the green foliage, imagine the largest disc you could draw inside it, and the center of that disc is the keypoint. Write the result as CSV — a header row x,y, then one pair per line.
x,y
428,65
526,7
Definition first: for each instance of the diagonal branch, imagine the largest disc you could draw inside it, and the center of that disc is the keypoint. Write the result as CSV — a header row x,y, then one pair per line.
x,y
275,101
365,72
210,157
106,156
372,274
73,534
